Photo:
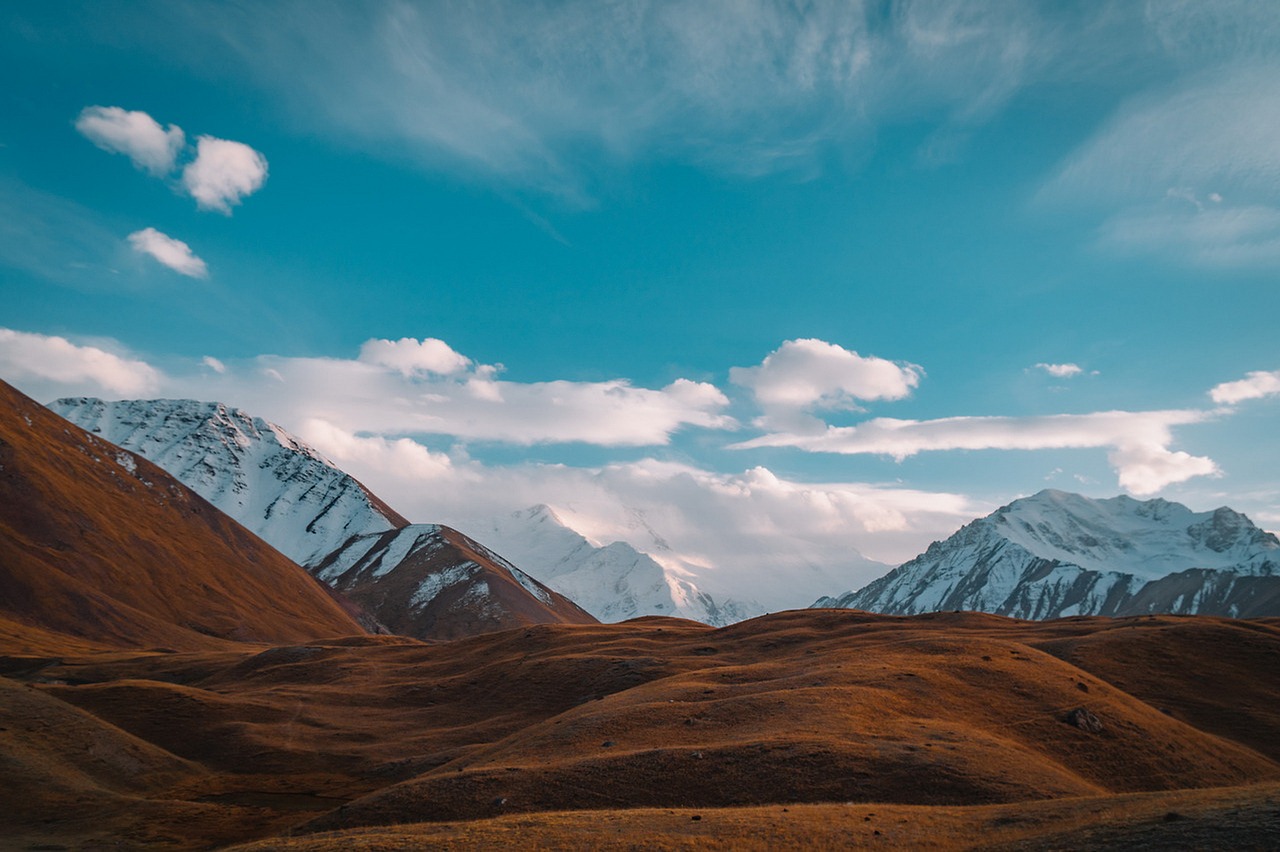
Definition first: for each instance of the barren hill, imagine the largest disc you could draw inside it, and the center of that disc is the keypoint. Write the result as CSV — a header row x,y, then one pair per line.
x,y
772,725
101,545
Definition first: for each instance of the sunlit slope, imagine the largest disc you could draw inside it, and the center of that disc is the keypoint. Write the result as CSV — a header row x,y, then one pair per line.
x,y
103,546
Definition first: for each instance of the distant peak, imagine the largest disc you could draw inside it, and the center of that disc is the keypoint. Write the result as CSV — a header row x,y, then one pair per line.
x,y
541,510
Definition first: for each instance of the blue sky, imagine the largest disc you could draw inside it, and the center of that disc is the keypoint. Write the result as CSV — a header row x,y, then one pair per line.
x,y
826,280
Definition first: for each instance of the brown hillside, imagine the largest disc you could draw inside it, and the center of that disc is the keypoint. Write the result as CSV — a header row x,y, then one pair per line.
x,y
103,546
432,582
926,717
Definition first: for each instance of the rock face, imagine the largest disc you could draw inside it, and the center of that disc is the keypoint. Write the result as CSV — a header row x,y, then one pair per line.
x,y
256,472
1058,554
432,582
101,545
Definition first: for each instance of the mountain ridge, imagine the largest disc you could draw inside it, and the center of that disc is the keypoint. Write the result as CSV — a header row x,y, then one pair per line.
x,y
1058,554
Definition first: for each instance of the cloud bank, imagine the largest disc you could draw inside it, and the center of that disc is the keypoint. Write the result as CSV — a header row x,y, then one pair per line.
x,y
376,414
60,362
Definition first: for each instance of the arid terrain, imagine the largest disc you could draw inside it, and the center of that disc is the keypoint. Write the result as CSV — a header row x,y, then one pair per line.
x,y
819,727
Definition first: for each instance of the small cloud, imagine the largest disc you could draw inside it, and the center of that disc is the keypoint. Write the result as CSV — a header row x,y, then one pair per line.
x,y
1256,385
223,173
1061,371
135,134
174,254
813,373
409,355
214,364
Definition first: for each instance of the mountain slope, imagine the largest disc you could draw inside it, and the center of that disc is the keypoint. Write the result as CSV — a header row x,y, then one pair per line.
x,y
1057,554
256,472
99,544
432,582
327,521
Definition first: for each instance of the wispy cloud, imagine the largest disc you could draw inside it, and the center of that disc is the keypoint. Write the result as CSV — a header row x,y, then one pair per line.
x,y
56,239
153,148
1138,440
172,253
540,95
1191,173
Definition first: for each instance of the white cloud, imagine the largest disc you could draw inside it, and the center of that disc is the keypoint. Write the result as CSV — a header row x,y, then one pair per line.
x,y
134,134
409,356
1060,371
734,529
811,374
401,457
1139,440
49,361
223,173
213,364
396,388
1255,385
174,254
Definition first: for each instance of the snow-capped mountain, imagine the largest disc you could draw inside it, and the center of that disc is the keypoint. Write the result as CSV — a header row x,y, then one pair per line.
x,y
256,472
1057,554
433,582
304,506
615,581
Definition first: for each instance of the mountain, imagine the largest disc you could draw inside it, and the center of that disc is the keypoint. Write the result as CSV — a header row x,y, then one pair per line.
x,y
433,582
613,582
1057,554
100,547
256,472
328,522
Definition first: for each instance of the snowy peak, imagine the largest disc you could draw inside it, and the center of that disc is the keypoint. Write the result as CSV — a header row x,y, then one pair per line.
x,y
255,471
613,582
1058,554
1149,539
433,582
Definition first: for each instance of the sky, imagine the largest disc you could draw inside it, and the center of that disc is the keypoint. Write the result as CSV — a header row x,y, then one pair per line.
x,y
764,281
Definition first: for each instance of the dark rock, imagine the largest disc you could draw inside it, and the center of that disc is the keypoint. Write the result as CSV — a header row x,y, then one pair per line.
x,y
1085,720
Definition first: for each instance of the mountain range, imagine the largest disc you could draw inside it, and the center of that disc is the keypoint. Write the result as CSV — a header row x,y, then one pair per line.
x,y
1051,555
1057,554
303,504
421,581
